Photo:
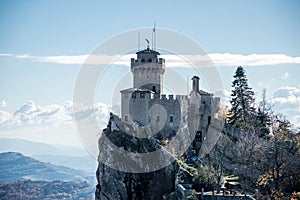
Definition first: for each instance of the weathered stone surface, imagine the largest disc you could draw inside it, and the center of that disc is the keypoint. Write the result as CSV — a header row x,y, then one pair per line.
x,y
116,184
113,184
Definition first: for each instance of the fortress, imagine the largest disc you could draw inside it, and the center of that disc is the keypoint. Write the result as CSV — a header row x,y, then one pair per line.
x,y
146,105
147,112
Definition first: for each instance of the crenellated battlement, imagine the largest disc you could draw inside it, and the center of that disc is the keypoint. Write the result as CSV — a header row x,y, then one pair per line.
x,y
146,104
170,97
141,61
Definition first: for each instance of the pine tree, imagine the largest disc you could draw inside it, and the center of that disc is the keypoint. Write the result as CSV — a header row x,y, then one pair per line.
x,y
242,110
264,115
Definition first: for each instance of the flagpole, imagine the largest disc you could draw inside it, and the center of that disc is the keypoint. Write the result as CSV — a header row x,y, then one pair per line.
x,y
154,37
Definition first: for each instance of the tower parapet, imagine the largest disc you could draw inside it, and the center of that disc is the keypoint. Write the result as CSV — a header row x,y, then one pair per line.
x,y
148,70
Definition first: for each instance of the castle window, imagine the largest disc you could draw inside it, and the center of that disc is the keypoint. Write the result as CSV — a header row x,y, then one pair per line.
x,y
142,95
154,89
150,60
171,118
157,119
143,60
126,118
134,95
198,136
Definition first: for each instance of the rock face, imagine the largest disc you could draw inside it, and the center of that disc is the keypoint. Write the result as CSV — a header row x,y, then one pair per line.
x,y
114,183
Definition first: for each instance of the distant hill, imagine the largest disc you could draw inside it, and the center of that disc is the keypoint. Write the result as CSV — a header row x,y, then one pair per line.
x,y
15,166
36,148
85,163
73,157
46,190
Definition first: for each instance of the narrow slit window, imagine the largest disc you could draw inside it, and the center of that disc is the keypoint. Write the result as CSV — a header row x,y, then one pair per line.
x,y
157,119
171,118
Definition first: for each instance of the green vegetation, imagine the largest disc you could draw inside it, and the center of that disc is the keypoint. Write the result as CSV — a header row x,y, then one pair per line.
x,y
191,170
242,101
267,152
258,152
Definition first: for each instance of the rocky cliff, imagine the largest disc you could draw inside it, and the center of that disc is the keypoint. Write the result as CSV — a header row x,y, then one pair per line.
x,y
129,176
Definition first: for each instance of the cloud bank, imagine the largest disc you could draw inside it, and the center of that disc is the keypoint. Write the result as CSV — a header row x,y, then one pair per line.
x,y
54,115
287,101
3,104
218,59
54,123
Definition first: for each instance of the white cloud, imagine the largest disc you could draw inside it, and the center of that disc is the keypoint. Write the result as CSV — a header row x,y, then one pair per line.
x,y
222,93
5,54
228,59
5,116
286,100
53,124
285,75
3,104
219,59
54,115
286,91
79,59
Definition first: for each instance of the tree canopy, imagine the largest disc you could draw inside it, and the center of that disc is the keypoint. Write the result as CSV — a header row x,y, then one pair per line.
x,y
242,101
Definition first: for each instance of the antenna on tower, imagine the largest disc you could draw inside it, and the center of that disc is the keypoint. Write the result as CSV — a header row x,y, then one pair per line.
x,y
152,38
153,33
187,85
139,41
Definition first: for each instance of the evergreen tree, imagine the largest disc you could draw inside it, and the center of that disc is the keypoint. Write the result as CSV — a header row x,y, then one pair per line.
x,y
264,115
242,110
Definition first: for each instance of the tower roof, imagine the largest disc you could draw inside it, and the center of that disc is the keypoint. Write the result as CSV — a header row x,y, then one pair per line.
x,y
148,51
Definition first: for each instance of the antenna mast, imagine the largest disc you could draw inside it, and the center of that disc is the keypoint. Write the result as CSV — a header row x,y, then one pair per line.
x,y
187,85
154,37
139,41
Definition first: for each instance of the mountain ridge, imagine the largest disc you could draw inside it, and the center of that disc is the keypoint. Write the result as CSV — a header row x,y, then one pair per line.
x,y
28,147
14,166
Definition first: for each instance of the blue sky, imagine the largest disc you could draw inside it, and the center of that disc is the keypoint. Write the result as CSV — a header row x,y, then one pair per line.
x,y
41,29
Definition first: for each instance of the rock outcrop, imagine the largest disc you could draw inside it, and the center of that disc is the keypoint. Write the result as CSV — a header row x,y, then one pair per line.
x,y
129,169
115,174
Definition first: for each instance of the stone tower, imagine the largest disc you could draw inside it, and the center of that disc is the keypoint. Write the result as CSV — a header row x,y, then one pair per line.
x,y
148,70
146,104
